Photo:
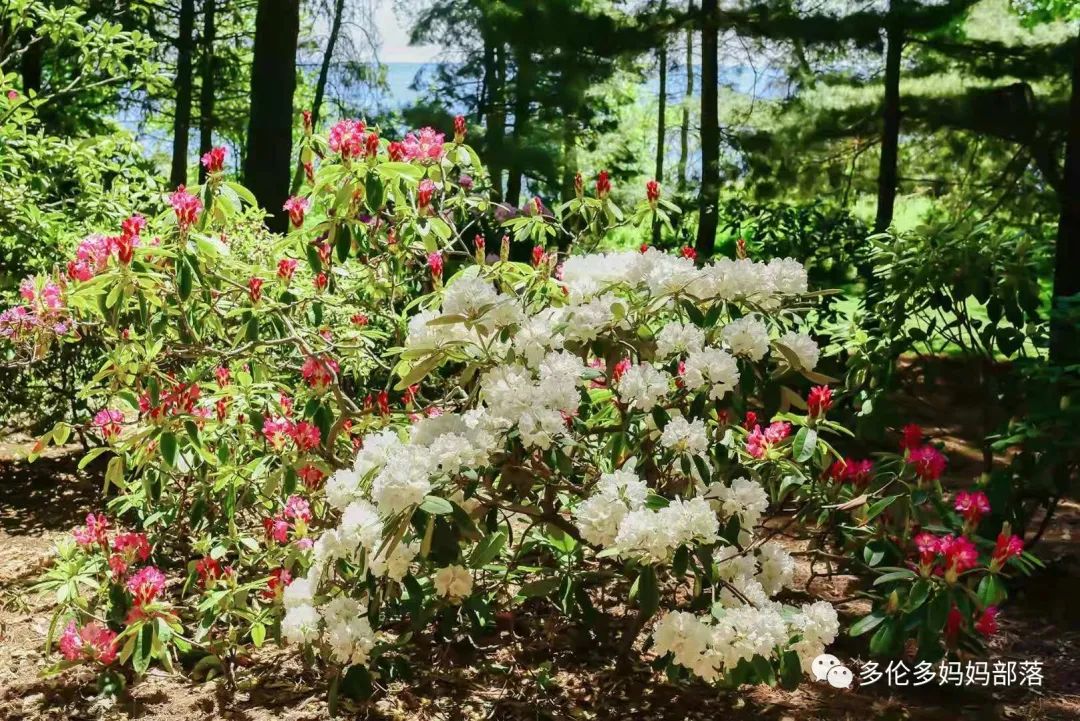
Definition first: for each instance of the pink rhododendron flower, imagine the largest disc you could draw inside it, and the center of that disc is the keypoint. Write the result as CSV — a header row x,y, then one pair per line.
x,y
311,476
347,137
92,642
306,436
277,431
296,206
277,528
146,585
424,145
954,622
972,505
459,129
297,508
214,160
620,368
223,375
319,371
435,264
285,269
987,623
186,207
652,192
132,546
107,421
424,193
603,184
759,442
929,462
538,255
94,532
321,281
688,252
207,570
1006,547
275,585
255,289
819,401
396,151
927,545
960,555
912,437
850,470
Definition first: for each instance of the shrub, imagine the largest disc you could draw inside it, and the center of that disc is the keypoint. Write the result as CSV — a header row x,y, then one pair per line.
x,y
583,427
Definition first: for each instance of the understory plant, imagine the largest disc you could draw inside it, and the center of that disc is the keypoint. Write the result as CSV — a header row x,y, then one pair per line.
x,y
582,437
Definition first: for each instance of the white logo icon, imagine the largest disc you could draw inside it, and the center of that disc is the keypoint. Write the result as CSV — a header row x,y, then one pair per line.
x,y
827,667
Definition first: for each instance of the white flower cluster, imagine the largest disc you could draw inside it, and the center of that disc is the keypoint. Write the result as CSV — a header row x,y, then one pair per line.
x,y
742,497
616,494
710,647
342,623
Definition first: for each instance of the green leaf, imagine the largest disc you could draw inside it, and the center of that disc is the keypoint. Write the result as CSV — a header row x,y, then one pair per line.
x,y
866,623
991,591
881,642
258,634
648,591
436,506
539,588
894,576
802,448
169,448
488,549
875,510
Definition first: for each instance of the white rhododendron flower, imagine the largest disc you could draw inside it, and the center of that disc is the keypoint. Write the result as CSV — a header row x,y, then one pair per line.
x,y
300,624
642,386
748,337
453,582
684,436
713,368
803,346
677,338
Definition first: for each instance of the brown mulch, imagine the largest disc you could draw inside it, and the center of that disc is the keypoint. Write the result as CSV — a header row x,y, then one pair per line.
x,y
542,666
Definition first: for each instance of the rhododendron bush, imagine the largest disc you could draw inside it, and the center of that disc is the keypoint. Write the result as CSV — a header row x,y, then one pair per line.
x,y
372,429
584,419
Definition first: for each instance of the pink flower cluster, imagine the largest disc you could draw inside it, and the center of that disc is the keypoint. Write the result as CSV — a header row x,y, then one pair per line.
x,y
186,207
178,400
928,462
972,505
296,206
851,470
347,137
92,642
319,371
423,145
958,553
294,518
107,421
92,255
214,159
128,548
279,431
43,314
759,442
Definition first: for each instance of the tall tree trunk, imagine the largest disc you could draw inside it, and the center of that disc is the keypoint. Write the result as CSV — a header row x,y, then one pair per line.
x,y
182,118
522,88
1065,335
206,90
495,110
684,130
320,84
661,118
30,66
273,81
710,131
890,139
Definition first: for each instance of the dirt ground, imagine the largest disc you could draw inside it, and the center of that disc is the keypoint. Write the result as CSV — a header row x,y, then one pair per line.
x,y
545,668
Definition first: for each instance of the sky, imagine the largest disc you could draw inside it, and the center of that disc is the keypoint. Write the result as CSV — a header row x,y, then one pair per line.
x,y
395,38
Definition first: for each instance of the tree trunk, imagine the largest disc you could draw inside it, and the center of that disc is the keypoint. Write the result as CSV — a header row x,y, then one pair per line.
x,y
710,131
31,64
273,81
661,125
522,87
684,130
206,91
890,139
182,118
1065,335
495,111
320,84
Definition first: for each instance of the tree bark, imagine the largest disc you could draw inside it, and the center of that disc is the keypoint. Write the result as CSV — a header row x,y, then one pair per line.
x,y
320,84
522,88
710,131
273,81
495,111
890,138
30,66
206,90
661,125
1065,335
684,130
182,117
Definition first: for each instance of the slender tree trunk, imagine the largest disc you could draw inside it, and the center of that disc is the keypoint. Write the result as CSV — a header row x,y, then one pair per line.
x,y
273,81
684,130
206,90
320,84
522,87
661,118
890,139
495,111
710,131
182,118
1065,335
31,64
